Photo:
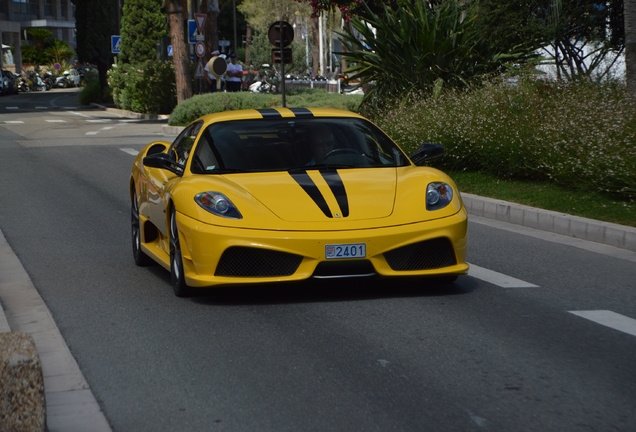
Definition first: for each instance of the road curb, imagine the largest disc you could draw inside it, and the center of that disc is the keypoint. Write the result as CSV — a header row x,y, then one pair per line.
x,y
132,114
70,403
610,234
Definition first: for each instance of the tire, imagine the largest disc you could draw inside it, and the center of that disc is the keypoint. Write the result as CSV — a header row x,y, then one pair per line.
x,y
176,260
62,84
140,257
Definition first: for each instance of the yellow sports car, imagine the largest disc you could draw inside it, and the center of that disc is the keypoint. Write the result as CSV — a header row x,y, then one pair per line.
x,y
274,195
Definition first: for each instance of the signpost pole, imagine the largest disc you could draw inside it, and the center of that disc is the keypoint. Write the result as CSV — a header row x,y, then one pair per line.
x,y
282,63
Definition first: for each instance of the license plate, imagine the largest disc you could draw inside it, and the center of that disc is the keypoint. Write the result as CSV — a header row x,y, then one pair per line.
x,y
346,251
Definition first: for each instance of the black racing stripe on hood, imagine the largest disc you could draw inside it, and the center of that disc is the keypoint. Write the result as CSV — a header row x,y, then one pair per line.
x,y
338,189
308,185
269,113
301,112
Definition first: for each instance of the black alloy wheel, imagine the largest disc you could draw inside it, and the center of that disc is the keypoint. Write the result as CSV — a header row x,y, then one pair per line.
x,y
141,259
176,260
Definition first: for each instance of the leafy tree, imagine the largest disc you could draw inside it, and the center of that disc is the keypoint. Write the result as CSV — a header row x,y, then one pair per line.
x,y
261,14
581,37
59,51
34,51
142,24
95,23
419,47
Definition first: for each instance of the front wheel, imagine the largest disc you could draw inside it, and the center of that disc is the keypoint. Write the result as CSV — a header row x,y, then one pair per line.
x,y
141,259
176,260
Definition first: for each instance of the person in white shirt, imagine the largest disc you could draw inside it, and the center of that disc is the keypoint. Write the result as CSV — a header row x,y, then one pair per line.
x,y
234,74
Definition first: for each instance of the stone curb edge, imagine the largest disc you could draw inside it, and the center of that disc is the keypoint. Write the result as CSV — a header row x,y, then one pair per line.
x,y
620,236
132,114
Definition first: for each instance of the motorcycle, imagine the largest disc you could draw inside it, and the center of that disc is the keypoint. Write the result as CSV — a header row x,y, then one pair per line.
x,y
23,85
36,81
62,81
49,80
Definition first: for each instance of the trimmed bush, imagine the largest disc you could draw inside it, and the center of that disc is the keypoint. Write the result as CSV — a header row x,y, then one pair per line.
x,y
145,88
210,103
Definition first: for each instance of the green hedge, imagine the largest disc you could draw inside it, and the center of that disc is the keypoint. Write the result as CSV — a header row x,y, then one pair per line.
x,y
209,103
145,88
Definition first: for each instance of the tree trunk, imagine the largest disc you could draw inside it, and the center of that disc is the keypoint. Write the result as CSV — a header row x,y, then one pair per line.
x,y
211,9
176,9
629,11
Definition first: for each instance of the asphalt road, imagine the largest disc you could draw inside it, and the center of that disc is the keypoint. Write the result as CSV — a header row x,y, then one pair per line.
x,y
342,356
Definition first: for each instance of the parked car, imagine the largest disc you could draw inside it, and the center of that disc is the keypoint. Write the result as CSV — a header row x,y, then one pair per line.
x,y
9,83
256,196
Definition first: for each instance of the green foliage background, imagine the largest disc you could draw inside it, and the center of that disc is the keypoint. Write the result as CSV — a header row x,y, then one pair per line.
x,y
147,87
142,25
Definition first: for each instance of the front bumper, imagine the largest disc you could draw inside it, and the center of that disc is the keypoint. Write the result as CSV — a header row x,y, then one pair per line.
x,y
300,252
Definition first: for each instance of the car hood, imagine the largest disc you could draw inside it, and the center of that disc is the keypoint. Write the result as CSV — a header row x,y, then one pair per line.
x,y
317,195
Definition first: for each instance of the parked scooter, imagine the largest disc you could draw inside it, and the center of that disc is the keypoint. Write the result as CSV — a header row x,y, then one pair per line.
x,y
62,81
36,81
49,80
23,85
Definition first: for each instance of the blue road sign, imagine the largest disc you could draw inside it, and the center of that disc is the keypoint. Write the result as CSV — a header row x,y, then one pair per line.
x,y
170,52
192,31
115,41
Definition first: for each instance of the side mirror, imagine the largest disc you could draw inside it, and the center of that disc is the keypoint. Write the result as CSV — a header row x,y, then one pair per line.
x,y
163,161
426,151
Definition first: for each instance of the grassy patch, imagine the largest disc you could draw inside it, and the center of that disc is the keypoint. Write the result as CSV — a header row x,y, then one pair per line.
x,y
548,196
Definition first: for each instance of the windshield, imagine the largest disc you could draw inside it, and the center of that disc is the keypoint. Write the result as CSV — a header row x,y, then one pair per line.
x,y
287,144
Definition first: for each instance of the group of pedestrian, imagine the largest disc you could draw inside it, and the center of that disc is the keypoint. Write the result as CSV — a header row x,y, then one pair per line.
x,y
233,73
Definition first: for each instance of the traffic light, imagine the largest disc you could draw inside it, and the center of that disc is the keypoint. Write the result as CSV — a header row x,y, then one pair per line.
x,y
286,57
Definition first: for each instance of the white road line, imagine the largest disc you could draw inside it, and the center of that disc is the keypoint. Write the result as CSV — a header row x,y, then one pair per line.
x,y
41,108
108,128
130,151
609,319
69,108
55,121
129,121
13,108
498,279
92,133
80,114
99,121
14,122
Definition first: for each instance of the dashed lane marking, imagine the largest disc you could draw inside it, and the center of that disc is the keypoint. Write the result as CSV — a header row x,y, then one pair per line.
x,y
55,121
13,108
92,133
14,122
130,151
99,121
41,108
498,279
609,319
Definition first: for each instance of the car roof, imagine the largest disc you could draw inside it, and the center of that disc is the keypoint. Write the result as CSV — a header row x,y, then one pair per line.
x,y
278,113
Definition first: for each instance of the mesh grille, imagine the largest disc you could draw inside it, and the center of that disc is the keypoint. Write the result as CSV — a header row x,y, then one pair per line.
x,y
241,261
344,268
429,254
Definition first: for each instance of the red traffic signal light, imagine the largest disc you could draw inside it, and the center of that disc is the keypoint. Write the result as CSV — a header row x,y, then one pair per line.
x,y
286,56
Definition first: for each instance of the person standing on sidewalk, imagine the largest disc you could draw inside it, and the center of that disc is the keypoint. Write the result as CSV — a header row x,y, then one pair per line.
x,y
234,74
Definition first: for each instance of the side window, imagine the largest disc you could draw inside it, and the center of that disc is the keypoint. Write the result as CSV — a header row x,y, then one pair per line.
x,y
182,146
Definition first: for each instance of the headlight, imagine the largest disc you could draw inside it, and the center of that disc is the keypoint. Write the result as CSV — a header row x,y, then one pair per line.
x,y
218,204
438,195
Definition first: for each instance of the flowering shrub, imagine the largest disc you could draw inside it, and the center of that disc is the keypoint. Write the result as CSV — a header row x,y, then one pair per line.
x,y
144,88
579,135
